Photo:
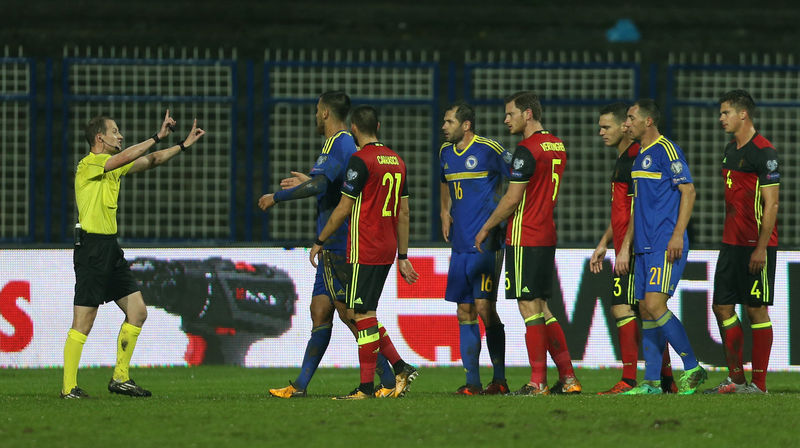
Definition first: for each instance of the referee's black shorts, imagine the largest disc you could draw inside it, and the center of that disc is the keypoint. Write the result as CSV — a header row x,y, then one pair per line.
x,y
101,272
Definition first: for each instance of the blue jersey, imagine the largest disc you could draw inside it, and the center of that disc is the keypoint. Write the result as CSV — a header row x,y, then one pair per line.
x,y
657,172
332,163
474,176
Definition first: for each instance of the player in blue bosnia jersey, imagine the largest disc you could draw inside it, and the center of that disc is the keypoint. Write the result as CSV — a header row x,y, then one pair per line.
x,y
662,205
324,182
472,171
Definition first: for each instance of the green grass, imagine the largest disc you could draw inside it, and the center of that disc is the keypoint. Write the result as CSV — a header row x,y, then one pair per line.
x,y
228,406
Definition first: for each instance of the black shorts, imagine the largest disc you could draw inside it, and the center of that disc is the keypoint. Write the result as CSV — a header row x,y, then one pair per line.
x,y
101,272
622,289
733,282
365,286
529,272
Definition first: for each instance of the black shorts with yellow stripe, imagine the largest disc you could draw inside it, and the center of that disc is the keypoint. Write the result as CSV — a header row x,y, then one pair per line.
x,y
622,292
529,272
365,286
733,282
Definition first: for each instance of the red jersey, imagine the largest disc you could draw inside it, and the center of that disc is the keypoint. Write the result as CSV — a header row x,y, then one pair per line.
x,y
376,179
745,170
622,194
539,162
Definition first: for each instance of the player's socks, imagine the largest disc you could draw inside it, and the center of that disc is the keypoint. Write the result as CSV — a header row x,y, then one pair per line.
x,y
73,348
315,350
496,342
470,349
387,347
733,342
536,344
557,346
126,342
653,349
384,371
762,346
629,334
368,347
678,339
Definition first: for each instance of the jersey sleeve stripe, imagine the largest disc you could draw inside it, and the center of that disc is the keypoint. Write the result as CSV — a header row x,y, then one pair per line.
x,y
645,175
328,144
466,175
491,143
354,219
670,148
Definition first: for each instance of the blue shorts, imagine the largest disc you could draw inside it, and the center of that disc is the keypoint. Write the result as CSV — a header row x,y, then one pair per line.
x,y
653,273
473,275
332,274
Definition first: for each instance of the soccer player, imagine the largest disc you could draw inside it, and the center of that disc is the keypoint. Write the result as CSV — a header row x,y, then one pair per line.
x,y
746,264
536,169
662,205
472,170
623,305
101,272
328,295
375,197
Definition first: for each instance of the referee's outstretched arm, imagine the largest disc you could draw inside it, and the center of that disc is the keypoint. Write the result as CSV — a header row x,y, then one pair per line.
x,y
157,158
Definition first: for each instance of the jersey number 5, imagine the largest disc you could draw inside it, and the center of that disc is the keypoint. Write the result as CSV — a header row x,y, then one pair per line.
x,y
555,177
394,187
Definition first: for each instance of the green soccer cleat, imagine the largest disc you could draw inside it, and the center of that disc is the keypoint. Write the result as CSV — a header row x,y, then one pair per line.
x,y
692,379
645,388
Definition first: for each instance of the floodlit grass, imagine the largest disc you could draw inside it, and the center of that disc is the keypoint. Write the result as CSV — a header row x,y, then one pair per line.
x,y
229,406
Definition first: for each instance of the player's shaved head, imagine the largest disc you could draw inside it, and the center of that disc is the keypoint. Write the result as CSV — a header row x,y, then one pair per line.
x,y
337,102
366,119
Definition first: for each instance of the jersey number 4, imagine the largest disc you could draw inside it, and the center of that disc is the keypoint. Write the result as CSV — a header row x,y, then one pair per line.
x,y
393,191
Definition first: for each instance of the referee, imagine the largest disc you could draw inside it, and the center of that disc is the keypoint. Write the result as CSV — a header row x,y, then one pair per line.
x,y
101,272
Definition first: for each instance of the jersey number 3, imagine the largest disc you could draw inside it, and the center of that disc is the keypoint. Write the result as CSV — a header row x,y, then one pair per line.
x,y
393,190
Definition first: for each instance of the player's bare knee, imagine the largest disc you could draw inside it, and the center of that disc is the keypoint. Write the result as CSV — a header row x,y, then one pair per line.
x,y
622,311
758,314
723,312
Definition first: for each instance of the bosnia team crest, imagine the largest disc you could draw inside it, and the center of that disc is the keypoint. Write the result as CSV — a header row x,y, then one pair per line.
x,y
647,161
471,162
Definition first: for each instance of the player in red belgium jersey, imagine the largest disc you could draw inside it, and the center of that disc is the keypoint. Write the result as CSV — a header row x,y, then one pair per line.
x,y
375,196
746,265
536,172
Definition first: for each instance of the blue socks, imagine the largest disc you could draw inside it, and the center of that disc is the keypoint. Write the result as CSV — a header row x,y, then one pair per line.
x,y
315,350
676,335
653,344
470,341
385,371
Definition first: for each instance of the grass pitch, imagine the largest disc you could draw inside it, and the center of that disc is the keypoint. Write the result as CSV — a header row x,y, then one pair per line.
x,y
229,406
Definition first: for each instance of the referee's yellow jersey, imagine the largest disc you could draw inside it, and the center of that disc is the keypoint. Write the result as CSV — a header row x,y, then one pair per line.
x,y
96,193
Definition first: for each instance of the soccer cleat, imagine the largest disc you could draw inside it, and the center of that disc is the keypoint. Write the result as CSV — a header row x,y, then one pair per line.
x,y
692,379
751,389
383,392
468,389
75,393
570,386
645,388
289,391
618,388
726,387
496,388
403,380
128,388
533,389
356,394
